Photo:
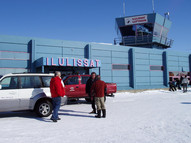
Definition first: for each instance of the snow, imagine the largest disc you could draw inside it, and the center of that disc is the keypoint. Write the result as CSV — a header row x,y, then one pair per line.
x,y
156,116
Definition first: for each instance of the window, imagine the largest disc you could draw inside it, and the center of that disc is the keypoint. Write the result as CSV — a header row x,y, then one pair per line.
x,y
30,82
157,30
9,83
137,30
128,30
84,79
144,29
156,68
120,67
72,80
37,83
46,81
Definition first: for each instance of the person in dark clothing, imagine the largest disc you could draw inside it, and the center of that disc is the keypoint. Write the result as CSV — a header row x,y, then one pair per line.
x,y
89,84
172,86
178,83
98,88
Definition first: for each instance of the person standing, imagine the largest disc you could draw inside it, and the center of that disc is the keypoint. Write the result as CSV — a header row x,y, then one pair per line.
x,y
57,91
178,84
185,84
171,86
98,88
181,78
89,84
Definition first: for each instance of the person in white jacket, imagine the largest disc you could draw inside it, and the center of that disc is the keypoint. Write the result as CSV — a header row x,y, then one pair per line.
x,y
185,84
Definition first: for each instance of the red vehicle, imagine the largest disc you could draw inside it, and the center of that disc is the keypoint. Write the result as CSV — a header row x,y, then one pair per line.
x,y
75,86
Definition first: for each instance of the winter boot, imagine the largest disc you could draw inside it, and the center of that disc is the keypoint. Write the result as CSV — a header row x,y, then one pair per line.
x,y
104,113
98,114
93,112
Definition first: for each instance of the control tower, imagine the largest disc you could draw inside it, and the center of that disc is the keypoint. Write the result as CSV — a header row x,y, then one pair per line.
x,y
148,30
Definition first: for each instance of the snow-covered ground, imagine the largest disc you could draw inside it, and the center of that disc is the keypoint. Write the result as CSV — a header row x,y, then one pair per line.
x,y
146,117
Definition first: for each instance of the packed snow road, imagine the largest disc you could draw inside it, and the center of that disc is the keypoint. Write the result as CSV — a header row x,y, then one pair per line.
x,y
145,117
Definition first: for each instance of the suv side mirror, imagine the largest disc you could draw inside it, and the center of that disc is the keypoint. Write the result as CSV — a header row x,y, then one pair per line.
x,y
0,87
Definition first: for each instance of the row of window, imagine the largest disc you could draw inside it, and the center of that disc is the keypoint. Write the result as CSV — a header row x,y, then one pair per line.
x,y
127,67
36,81
25,82
144,29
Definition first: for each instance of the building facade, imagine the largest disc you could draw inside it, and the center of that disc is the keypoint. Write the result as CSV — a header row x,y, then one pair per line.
x,y
129,67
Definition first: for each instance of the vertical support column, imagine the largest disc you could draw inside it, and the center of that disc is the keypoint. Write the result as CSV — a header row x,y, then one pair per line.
x,y
165,68
190,64
32,55
88,54
42,69
132,68
99,71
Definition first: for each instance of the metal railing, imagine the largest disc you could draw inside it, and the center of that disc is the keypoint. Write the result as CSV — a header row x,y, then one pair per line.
x,y
143,40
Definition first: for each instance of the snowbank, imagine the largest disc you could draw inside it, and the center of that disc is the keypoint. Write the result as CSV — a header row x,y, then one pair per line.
x,y
146,117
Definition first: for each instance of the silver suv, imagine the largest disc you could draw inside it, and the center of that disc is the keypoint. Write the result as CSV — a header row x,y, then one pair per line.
x,y
27,91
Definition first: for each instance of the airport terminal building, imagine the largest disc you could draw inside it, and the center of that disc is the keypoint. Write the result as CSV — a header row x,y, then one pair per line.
x,y
138,59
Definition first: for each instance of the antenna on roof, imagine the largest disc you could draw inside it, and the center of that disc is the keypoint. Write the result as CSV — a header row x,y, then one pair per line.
x,y
167,14
124,8
153,4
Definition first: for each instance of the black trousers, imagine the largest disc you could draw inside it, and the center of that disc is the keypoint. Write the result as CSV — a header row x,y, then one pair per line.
x,y
93,102
179,86
173,88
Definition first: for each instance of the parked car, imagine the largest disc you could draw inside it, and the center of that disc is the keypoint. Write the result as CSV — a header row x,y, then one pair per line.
x,y
27,91
75,86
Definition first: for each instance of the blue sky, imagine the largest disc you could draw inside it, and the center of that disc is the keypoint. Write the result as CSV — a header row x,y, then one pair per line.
x,y
88,20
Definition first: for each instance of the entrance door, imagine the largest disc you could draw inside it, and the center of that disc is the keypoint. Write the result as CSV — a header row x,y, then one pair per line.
x,y
72,86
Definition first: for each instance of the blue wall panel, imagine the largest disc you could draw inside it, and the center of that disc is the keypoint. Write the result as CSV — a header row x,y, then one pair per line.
x,y
116,54
156,62
106,66
14,47
120,73
48,49
4,71
120,61
121,79
13,64
156,73
101,53
14,55
142,62
142,73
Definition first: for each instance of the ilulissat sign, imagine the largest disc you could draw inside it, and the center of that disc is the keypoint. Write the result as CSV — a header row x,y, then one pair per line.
x,y
74,62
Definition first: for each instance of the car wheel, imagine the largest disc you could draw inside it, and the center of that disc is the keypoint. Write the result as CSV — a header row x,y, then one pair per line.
x,y
44,108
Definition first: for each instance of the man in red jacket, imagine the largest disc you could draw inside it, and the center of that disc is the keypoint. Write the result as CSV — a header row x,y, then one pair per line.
x,y
98,88
57,91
